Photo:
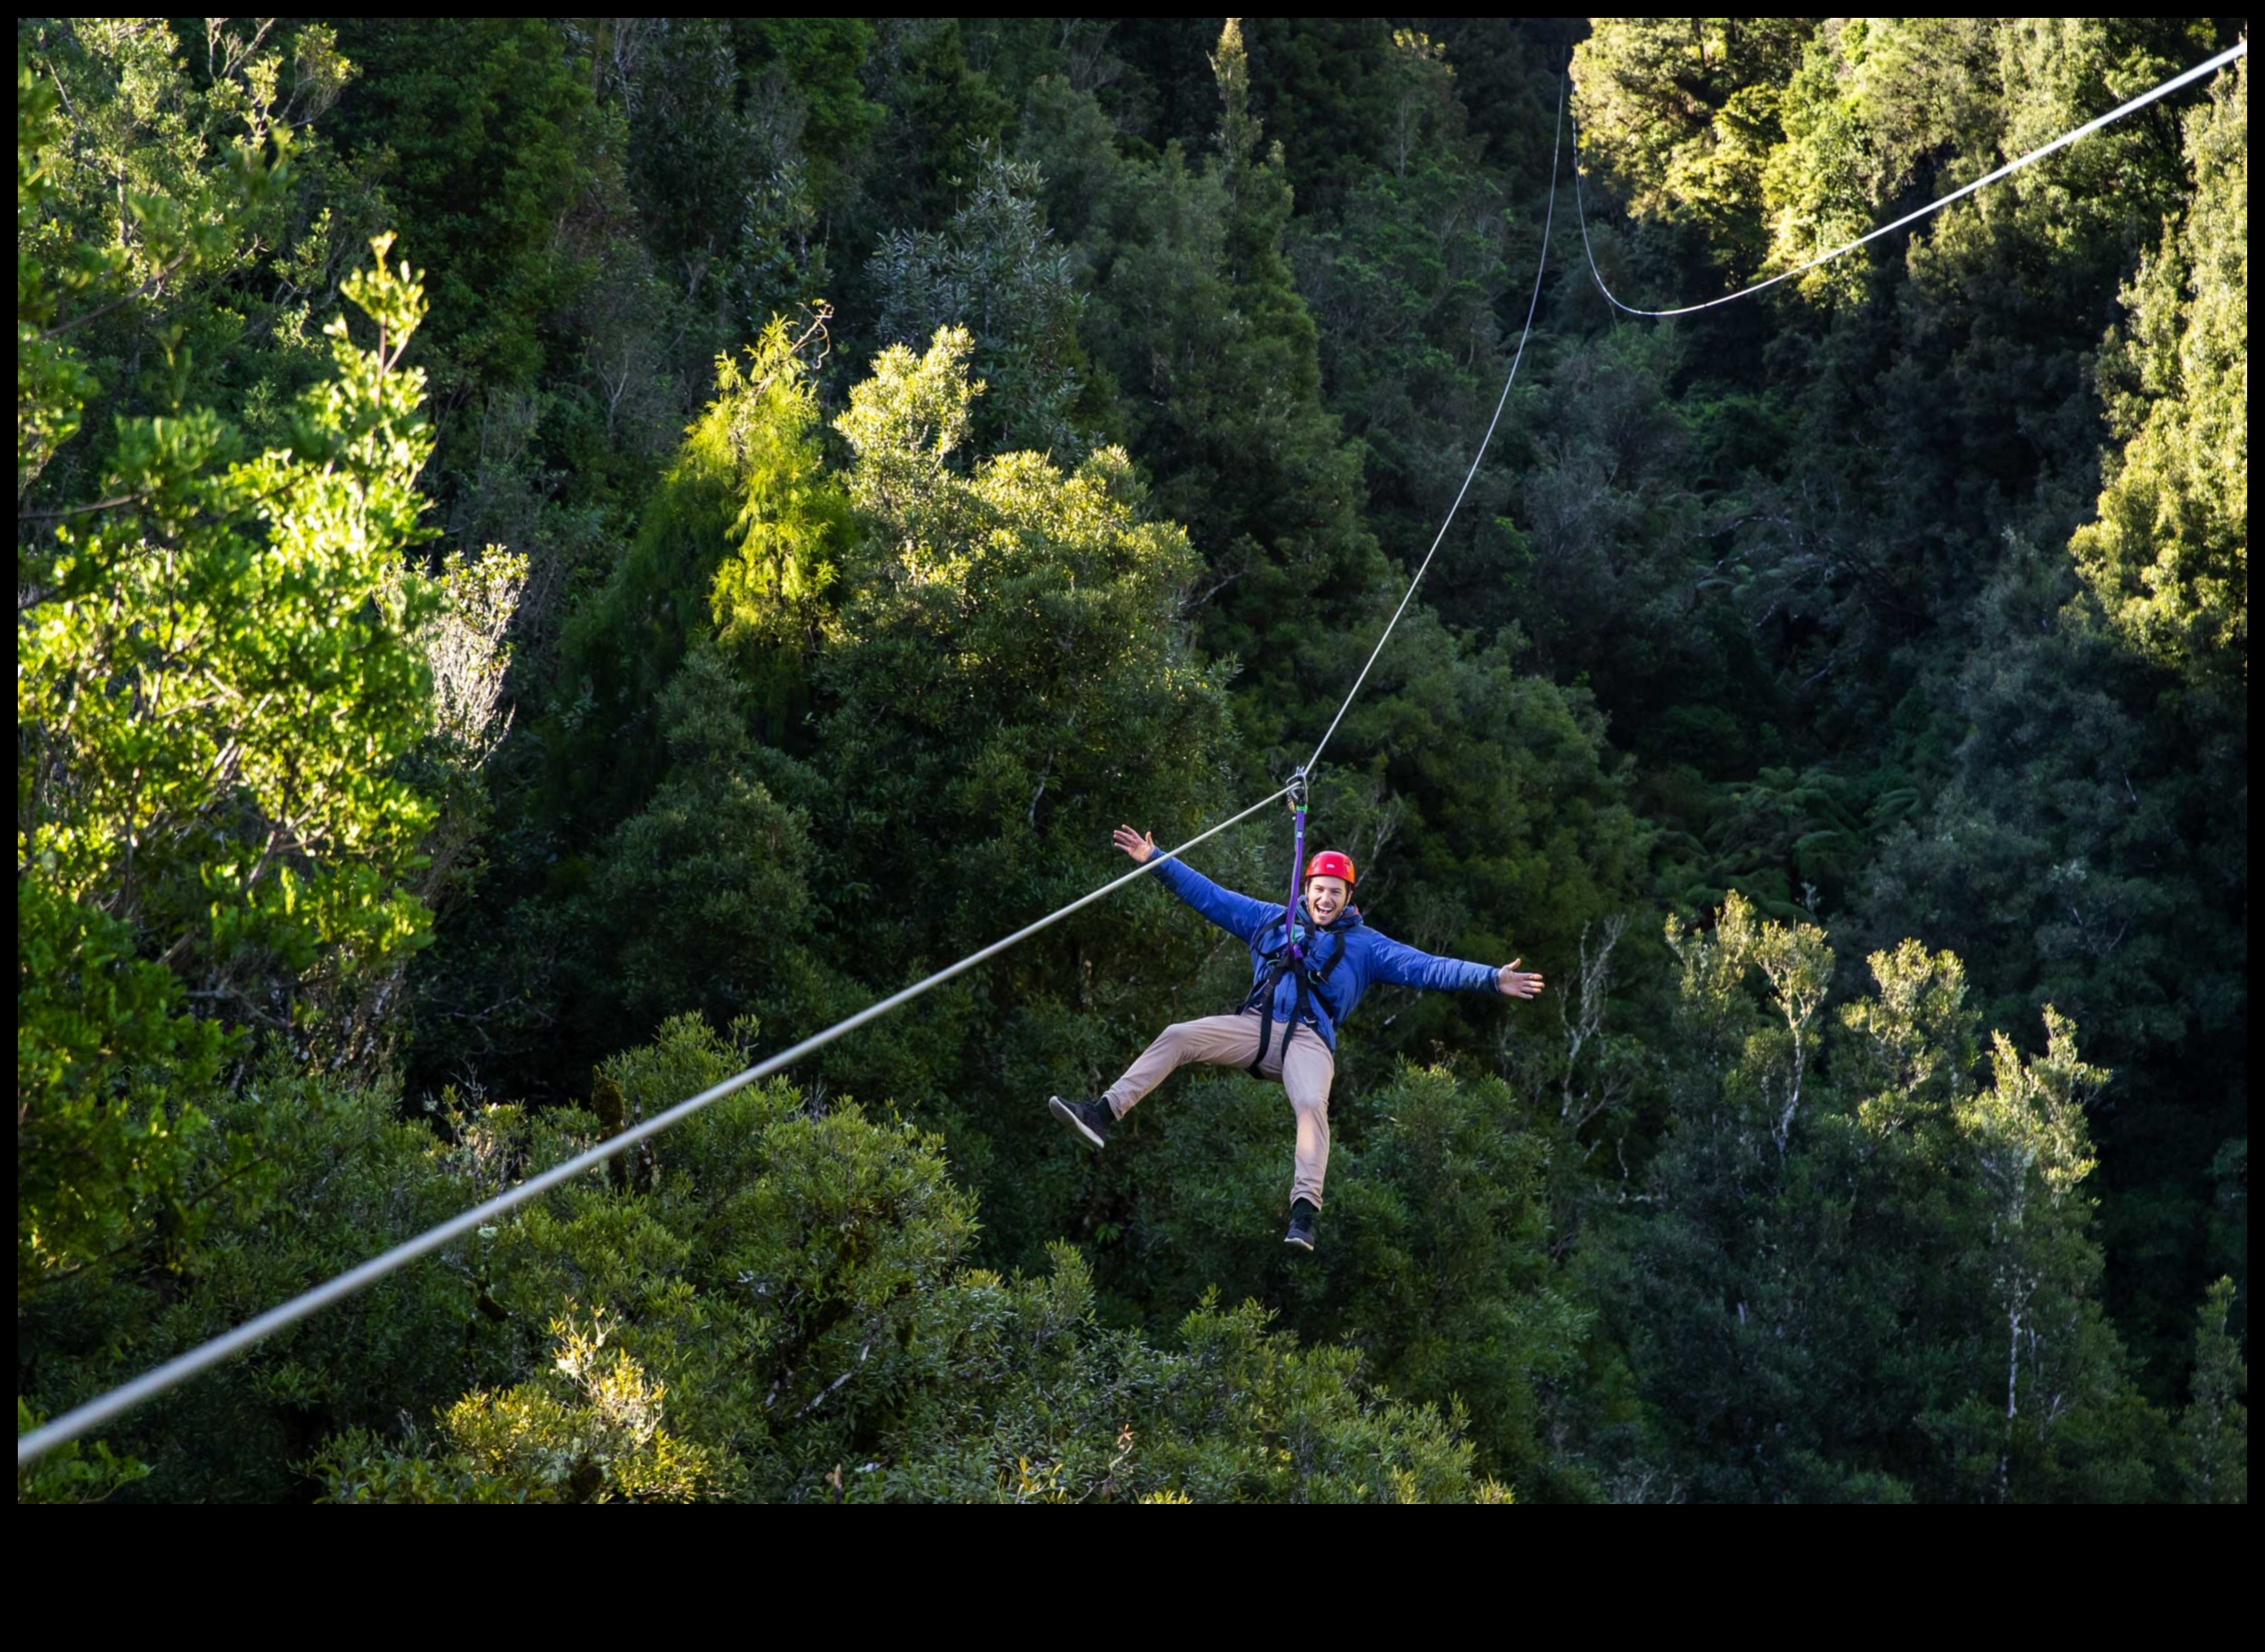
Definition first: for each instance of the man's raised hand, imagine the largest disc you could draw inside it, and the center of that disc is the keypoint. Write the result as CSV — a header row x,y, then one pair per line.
x,y
1519,984
1141,847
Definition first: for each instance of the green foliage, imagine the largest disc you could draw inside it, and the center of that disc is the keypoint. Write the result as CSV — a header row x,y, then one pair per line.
x,y
822,58
156,600
740,133
2213,1447
1012,657
942,112
297,1178
604,1441
1013,632
1680,115
72,1473
218,675
472,127
1435,1265
1197,321
1861,598
145,216
2169,557
1866,1277
776,1295
1599,575
833,635
706,888
107,1066
1409,282
741,540
1012,665
2092,869
997,271
760,432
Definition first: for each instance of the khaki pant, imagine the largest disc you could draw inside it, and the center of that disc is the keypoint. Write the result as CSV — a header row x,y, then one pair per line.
x,y
1230,1042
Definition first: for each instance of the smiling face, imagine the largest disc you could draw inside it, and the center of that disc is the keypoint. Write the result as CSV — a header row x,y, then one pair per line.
x,y
1325,898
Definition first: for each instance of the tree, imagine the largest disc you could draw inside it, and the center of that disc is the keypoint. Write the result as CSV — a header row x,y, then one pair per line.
x,y
1407,278
740,539
595,1431
1436,1268
1679,116
701,895
1890,604
997,271
1012,665
2167,559
219,678
1858,1275
1197,321
2213,1455
477,130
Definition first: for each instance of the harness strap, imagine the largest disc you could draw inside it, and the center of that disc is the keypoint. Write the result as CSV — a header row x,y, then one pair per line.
x,y
1320,979
1262,998
1263,994
1266,1035
1310,984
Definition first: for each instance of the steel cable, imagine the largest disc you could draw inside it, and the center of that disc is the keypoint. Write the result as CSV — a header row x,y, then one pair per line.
x,y
31,1446
1580,203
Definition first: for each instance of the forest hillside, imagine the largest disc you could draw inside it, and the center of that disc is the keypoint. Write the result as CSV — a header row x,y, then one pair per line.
x,y
556,558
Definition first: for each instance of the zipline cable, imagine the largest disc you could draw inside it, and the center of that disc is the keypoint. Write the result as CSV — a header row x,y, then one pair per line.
x,y
31,1447
105,1407
1580,203
1549,217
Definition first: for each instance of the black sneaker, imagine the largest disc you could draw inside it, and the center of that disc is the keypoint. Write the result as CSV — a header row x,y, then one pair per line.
x,y
1088,1118
1301,1224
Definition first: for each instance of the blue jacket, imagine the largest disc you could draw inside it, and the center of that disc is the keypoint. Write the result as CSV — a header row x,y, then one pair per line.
x,y
1367,957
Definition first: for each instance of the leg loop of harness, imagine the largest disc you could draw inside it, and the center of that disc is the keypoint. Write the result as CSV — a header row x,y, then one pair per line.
x,y
1261,999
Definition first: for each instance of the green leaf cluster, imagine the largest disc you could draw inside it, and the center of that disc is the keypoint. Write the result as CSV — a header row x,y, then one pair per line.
x,y
2168,560
219,677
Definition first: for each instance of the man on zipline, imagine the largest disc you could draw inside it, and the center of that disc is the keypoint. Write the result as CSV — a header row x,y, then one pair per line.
x,y
1287,1028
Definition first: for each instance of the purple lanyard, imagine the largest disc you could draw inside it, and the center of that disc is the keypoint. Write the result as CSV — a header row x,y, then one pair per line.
x,y
1297,867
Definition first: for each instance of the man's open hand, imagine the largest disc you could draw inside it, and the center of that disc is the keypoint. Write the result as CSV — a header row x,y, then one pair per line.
x,y
1516,982
1141,846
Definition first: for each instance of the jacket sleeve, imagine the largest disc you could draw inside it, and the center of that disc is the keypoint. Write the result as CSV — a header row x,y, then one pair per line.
x,y
1404,966
1239,915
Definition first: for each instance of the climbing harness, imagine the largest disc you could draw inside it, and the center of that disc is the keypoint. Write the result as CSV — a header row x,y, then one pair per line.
x,y
1312,981
1290,958
1291,954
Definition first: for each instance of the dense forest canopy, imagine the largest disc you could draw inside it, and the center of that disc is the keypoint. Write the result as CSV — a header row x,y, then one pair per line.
x,y
556,556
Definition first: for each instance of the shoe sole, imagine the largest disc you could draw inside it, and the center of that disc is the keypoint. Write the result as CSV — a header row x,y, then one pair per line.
x,y
1302,1244
1078,1126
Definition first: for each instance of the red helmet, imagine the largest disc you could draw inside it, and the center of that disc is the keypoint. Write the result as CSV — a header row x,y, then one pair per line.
x,y
1328,863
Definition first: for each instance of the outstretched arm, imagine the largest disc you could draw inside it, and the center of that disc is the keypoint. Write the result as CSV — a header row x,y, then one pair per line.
x,y
1239,915
1404,966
